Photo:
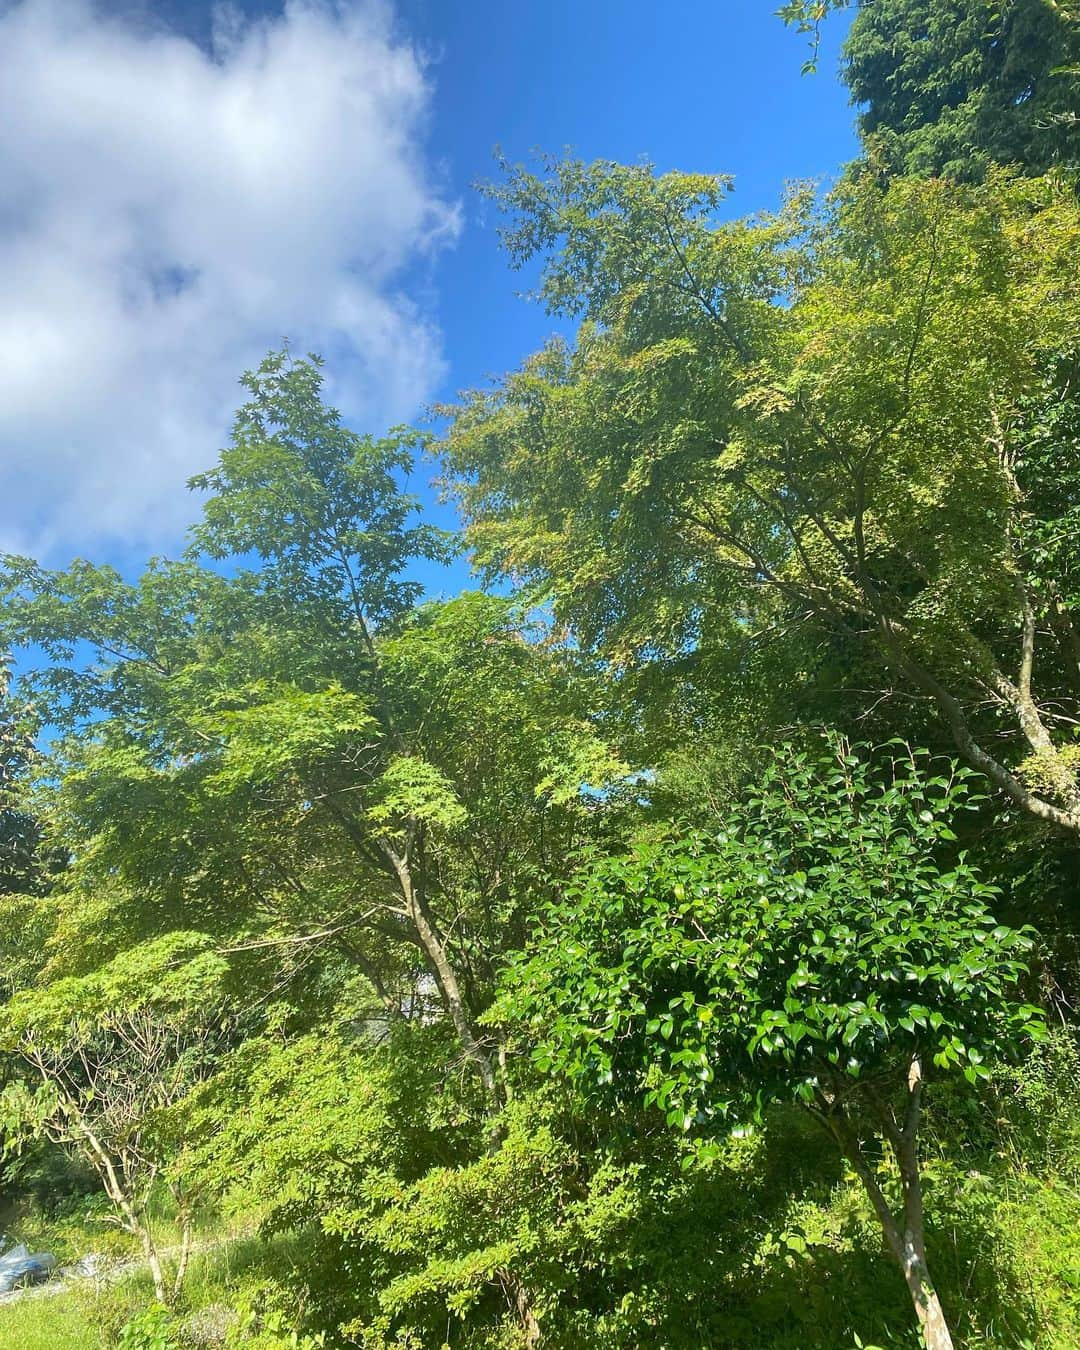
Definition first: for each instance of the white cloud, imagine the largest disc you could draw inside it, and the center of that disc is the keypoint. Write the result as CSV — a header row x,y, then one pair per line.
x,y
166,217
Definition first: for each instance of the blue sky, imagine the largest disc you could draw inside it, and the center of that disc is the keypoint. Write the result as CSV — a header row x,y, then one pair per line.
x,y
185,183
709,85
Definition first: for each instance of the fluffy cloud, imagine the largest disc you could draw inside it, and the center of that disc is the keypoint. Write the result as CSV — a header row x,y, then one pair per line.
x,y
168,215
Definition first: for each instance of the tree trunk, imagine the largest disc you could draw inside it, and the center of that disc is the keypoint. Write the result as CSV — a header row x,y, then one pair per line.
x,y
434,948
185,1256
153,1260
98,1155
928,1308
521,1301
903,1234
907,1250
913,1251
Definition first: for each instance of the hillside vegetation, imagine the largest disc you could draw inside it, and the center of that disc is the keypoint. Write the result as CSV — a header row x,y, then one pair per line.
x,y
670,943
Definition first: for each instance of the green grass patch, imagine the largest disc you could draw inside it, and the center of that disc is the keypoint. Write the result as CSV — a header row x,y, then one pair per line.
x,y
64,1322
89,1317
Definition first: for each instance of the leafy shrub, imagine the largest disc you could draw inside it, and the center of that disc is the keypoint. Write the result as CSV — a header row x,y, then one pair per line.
x,y
154,1328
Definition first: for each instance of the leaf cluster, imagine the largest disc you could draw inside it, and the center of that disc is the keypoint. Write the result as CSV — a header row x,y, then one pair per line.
x,y
814,944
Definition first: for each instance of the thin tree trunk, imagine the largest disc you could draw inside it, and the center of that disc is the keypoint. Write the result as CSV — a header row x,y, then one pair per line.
x,y
903,1235
904,1144
434,947
431,942
153,1260
924,1296
185,1255
517,1292
435,950
114,1188
455,1003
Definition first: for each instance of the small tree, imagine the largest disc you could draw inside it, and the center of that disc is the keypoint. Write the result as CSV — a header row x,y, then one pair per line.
x,y
820,948
108,1056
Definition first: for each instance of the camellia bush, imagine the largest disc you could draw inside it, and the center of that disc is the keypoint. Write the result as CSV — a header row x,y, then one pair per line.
x,y
828,946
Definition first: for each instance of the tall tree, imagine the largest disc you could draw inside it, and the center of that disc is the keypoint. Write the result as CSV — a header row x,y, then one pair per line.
x,y
293,757
360,797
951,87
799,424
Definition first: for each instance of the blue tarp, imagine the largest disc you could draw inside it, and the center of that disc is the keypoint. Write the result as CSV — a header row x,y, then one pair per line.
x,y
20,1266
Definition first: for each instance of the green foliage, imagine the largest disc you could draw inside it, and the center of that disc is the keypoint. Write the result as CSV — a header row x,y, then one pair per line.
x,y
720,345
319,504
295,737
819,935
259,1127
622,1246
281,730
818,949
258,1134
178,975
807,16
950,87
153,1329
19,832
297,829
792,447
413,789
1039,1106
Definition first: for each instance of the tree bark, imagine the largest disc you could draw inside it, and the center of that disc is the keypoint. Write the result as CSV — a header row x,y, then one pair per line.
x,y
185,1255
907,1249
928,1309
520,1300
435,950
153,1260
903,1233
426,934
913,1256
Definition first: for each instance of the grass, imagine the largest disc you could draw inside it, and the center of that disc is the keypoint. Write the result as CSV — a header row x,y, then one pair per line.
x,y
86,1318
61,1323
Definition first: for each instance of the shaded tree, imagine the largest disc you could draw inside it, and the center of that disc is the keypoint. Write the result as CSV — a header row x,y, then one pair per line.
x,y
951,87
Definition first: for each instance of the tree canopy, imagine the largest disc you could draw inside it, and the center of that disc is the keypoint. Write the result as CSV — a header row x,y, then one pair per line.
x,y
950,88
671,942
804,423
